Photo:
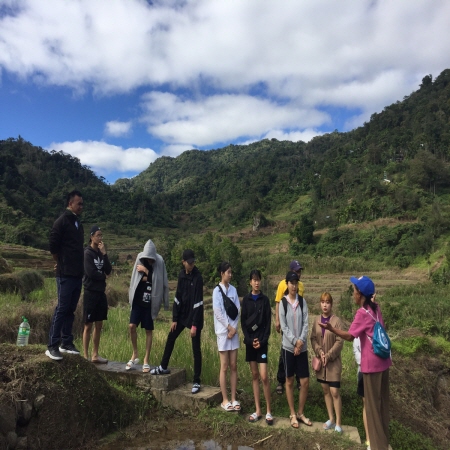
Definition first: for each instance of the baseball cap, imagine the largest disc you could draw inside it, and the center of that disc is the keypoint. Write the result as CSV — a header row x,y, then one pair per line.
x,y
94,229
188,256
292,276
295,266
364,284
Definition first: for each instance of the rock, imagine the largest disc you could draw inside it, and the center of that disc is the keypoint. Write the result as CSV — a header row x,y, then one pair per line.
x,y
7,419
11,439
38,402
24,410
22,443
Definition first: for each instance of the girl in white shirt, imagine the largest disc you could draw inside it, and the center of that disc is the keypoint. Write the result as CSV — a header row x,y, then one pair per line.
x,y
227,336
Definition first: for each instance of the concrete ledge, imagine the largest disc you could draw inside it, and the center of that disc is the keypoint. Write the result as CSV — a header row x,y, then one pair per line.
x,y
116,370
282,422
183,400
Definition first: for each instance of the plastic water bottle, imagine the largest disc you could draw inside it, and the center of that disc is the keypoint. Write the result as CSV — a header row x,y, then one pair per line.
x,y
24,333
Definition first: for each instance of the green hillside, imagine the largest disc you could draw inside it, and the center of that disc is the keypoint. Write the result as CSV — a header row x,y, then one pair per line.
x,y
393,167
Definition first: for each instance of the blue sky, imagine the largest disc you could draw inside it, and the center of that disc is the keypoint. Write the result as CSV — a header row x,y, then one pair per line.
x,y
118,83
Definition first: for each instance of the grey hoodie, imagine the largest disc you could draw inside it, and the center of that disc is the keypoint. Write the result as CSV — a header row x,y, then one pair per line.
x,y
160,282
294,326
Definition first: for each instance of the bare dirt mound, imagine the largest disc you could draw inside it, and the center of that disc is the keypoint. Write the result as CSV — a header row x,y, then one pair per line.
x,y
47,404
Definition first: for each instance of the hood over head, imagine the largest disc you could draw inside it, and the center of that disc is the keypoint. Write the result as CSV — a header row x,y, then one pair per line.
x,y
149,250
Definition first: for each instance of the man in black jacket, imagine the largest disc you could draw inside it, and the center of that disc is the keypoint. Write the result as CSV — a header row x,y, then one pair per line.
x,y
187,313
95,304
66,247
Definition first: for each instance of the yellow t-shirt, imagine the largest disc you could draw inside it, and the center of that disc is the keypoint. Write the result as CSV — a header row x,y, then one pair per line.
x,y
282,286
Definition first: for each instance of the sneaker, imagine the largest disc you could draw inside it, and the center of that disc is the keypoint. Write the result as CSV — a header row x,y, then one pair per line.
x,y
159,371
69,348
195,388
53,353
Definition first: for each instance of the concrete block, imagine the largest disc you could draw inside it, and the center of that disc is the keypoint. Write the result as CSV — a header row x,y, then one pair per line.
x,y
183,400
284,422
144,381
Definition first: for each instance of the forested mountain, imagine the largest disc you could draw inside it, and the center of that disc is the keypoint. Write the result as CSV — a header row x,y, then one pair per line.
x,y
33,184
408,144
395,165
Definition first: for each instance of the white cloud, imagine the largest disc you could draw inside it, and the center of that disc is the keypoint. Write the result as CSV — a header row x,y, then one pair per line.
x,y
220,118
106,158
221,71
116,128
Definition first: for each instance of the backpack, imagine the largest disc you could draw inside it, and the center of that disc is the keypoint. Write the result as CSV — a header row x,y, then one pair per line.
x,y
380,341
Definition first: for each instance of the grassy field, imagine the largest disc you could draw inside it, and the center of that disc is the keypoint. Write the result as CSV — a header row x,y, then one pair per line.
x,y
415,310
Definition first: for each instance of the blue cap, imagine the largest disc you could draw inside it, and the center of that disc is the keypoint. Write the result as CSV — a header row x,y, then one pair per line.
x,y
365,285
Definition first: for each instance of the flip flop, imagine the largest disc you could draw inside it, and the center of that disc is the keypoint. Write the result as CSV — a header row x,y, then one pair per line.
x,y
328,425
145,368
269,419
304,420
131,363
228,407
254,418
236,405
100,360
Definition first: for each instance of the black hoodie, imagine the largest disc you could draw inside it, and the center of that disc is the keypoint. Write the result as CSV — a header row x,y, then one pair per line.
x,y
96,267
259,306
188,302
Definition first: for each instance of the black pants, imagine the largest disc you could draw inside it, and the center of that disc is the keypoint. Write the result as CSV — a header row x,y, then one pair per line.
x,y
69,290
196,349
281,374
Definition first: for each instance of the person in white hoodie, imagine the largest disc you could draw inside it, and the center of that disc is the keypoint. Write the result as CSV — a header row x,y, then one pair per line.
x,y
149,288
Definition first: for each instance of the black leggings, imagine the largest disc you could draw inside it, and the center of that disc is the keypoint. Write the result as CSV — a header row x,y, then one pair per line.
x,y
197,351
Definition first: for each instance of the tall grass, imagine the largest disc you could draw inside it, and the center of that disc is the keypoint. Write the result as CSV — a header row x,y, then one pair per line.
x,y
278,263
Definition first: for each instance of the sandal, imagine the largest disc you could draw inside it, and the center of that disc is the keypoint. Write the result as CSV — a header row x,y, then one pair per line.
x,y
338,429
131,363
294,421
280,389
99,360
145,368
304,420
328,425
254,418
269,419
236,405
227,407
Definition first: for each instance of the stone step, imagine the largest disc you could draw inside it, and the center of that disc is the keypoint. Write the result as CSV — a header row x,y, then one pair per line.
x,y
170,390
284,422
184,401
145,381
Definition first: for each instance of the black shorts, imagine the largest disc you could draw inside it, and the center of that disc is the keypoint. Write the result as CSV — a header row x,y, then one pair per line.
x,y
296,365
95,306
259,355
333,384
360,386
141,315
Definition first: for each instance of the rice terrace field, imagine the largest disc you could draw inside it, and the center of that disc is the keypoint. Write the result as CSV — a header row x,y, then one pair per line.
x,y
417,313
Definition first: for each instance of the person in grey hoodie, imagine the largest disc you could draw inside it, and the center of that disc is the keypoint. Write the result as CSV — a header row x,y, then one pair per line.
x,y
294,324
149,288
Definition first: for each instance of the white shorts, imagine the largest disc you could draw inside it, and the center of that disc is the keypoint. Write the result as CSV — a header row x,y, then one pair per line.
x,y
225,344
